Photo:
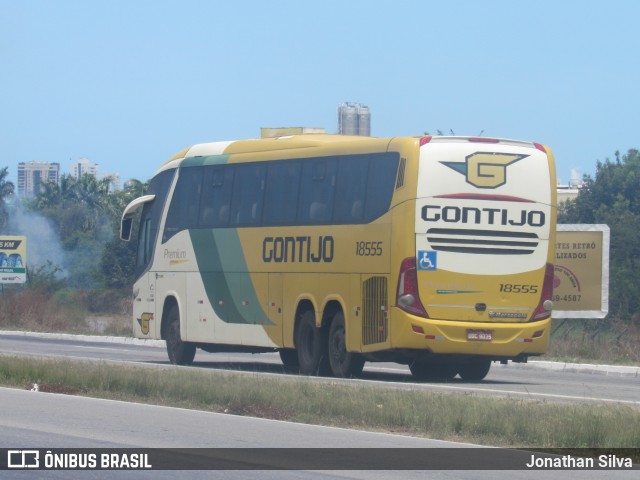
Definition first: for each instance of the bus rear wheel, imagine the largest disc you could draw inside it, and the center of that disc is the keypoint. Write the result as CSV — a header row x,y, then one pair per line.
x,y
474,370
343,364
311,344
180,353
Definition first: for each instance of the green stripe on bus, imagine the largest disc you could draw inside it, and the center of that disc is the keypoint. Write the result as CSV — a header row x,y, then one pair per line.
x,y
225,276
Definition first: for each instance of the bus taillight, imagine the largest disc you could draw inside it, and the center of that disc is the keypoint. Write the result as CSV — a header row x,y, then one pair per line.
x,y
483,140
408,298
545,305
540,147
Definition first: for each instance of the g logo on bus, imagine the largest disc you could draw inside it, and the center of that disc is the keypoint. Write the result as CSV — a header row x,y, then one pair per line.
x,y
143,321
485,169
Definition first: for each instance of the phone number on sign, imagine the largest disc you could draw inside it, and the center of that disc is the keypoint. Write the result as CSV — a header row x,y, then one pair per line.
x,y
567,298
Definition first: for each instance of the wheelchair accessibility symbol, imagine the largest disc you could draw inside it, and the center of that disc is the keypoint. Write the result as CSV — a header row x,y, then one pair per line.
x,y
427,260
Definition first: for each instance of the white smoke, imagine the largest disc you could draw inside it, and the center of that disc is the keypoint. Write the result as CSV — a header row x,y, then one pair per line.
x,y
43,244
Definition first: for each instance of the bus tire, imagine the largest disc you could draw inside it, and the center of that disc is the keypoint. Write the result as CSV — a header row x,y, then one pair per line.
x,y
343,364
311,344
180,353
474,370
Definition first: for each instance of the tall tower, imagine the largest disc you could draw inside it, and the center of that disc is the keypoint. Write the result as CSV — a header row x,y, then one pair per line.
x,y
31,175
354,119
82,167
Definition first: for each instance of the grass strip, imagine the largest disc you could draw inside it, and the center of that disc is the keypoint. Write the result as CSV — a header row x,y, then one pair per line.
x,y
470,418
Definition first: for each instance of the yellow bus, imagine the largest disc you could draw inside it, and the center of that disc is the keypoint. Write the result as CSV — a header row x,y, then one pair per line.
x,y
434,252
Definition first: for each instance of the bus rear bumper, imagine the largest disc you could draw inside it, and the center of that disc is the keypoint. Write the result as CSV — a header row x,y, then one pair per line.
x,y
505,340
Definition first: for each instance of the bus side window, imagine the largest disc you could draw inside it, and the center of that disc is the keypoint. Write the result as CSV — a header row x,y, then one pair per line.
x,y
145,245
150,219
248,195
281,196
184,209
380,184
216,196
350,193
317,191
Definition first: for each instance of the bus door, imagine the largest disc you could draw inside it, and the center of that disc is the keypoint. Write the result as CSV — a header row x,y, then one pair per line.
x,y
145,323
144,287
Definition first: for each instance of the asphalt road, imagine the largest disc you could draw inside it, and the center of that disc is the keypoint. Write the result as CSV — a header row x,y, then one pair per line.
x,y
43,420
538,379
52,421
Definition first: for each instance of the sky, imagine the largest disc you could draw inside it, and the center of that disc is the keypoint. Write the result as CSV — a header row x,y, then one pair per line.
x,y
127,84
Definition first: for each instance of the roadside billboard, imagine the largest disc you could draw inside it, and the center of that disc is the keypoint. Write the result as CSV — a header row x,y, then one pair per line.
x,y
581,281
13,259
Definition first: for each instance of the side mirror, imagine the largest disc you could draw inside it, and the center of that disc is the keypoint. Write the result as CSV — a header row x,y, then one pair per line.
x,y
126,223
125,229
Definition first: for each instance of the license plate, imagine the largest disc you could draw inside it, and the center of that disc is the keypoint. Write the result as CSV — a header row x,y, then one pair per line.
x,y
479,335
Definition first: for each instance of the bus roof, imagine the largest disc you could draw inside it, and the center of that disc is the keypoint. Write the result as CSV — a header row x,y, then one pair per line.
x,y
289,142
333,143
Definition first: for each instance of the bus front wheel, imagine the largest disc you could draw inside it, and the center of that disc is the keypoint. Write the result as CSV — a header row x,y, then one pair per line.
x,y
343,364
180,352
311,344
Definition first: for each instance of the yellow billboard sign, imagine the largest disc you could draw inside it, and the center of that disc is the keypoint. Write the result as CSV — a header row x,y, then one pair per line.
x,y
13,259
581,281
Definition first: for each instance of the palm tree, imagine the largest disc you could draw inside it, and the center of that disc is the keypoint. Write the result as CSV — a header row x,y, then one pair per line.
x,y
6,190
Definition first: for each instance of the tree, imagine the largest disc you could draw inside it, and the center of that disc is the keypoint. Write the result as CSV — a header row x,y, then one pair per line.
x,y
117,201
613,198
118,263
6,191
78,210
86,216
